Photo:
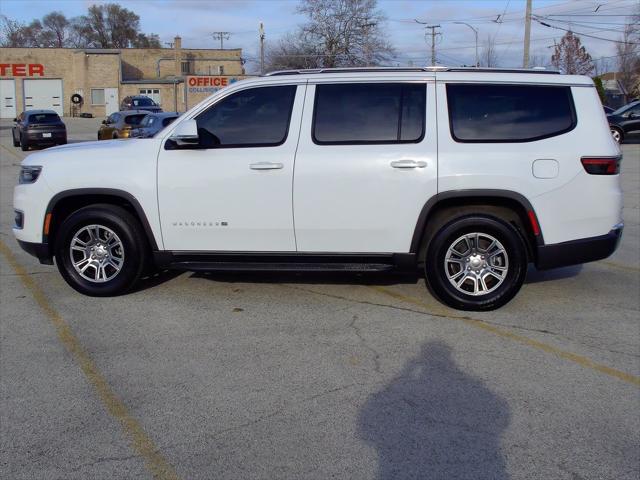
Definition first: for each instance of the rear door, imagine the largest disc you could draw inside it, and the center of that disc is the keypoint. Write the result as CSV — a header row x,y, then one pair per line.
x,y
366,165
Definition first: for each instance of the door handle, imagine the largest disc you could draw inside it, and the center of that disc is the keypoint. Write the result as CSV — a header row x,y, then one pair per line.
x,y
408,164
266,166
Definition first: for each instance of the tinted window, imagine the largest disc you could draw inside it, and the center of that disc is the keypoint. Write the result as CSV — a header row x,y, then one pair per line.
x,y
113,118
254,117
369,113
168,121
142,102
509,113
134,119
44,118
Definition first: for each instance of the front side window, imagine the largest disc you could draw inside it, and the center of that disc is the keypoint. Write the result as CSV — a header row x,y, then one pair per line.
x,y
257,117
362,113
495,113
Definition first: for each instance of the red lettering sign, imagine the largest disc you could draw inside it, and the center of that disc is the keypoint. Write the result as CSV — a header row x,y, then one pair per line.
x,y
18,70
36,68
22,69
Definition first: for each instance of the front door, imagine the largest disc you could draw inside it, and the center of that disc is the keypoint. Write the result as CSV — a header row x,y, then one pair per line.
x,y
233,191
111,101
366,165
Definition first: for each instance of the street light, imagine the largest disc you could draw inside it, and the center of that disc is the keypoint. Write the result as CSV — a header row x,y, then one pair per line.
x,y
476,33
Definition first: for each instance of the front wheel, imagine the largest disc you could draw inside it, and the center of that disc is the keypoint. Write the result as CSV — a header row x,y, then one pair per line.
x,y
617,134
100,250
476,262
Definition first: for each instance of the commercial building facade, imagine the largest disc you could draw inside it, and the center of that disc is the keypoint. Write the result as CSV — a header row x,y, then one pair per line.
x,y
33,78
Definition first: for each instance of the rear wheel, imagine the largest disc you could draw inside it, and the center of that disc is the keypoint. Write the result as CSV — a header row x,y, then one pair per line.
x,y
476,262
617,134
23,144
100,250
16,143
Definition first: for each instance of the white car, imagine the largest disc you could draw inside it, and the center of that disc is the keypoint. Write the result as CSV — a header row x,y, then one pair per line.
x,y
467,175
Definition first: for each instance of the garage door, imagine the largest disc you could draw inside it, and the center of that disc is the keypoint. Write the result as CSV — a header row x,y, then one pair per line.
x,y
7,98
43,94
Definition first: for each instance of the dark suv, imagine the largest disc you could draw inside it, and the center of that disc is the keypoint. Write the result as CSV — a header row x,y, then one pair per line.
x,y
139,102
625,120
38,127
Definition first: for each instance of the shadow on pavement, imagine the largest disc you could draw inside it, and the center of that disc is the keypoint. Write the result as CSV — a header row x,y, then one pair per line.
x,y
433,421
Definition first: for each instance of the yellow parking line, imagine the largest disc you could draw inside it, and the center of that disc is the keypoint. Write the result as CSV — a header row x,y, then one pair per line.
x,y
11,152
159,467
572,357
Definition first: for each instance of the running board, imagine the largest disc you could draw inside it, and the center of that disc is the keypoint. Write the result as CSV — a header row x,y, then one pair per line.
x,y
280,267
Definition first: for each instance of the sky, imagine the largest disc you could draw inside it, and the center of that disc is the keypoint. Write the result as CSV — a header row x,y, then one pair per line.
x,y
195,20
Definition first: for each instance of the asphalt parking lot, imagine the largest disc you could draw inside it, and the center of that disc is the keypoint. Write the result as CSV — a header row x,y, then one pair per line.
x,y
307,376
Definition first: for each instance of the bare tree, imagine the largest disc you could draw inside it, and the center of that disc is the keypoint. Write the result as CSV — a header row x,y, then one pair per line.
x,y
58,25
489,56
11,33
104,26
571,57
628,56
337,33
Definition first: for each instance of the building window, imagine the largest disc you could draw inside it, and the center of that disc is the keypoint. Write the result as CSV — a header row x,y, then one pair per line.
x,y
221,70
152,93
185,67
97,96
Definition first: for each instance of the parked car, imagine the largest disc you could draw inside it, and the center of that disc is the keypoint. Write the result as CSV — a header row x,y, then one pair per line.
x,y
463,175
139,102
121,124
608,110
153,123
625,120
35,128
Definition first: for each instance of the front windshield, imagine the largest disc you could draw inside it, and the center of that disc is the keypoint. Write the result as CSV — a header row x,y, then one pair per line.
x,y
624,108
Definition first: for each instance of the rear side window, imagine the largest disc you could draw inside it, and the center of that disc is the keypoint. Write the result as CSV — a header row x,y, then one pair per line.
x,y
257,117
134,119
362,113
509,113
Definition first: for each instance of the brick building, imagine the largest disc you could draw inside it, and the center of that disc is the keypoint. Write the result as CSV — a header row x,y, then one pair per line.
x,y
32,78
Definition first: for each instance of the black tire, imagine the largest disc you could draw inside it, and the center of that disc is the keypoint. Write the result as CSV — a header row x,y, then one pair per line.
x,y
24,146
16,143
619,131
134,244
63,142
447,235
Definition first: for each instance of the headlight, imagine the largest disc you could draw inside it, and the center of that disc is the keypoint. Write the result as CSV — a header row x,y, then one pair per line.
x,y
29,174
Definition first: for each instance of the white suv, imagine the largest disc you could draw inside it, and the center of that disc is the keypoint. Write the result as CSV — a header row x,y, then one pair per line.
x,y
465,174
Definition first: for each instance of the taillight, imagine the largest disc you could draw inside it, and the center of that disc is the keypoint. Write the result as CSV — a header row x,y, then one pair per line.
x,y
601,165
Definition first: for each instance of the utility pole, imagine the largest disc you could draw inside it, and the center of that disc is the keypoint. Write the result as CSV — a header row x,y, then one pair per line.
x,y
222,36
475,31
527,35
433,34
261,48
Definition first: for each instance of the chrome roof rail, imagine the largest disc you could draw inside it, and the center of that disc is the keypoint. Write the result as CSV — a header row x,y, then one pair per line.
x,y
437,68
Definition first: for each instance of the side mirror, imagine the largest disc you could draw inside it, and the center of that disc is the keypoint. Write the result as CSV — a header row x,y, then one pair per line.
x,y
15,119
186,133
104,122
633,115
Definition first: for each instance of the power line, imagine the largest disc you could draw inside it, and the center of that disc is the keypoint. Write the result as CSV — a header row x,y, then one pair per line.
x,y
583,34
